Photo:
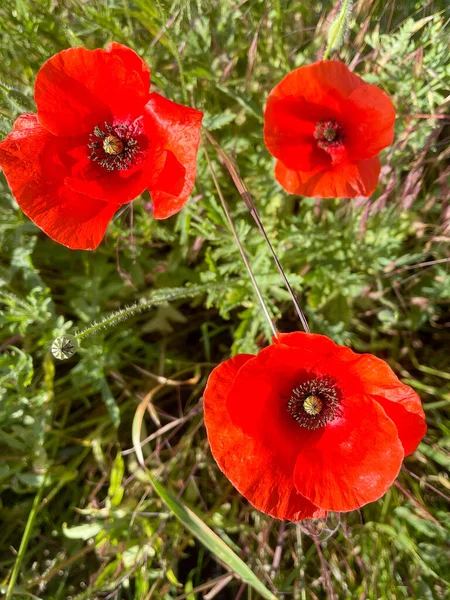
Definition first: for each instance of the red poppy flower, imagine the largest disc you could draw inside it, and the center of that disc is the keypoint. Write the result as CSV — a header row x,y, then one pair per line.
x,y
98,140
326,127
308,426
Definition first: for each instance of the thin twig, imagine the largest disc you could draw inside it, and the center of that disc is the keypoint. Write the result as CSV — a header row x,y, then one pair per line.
x,y
426,484
427,263
416,503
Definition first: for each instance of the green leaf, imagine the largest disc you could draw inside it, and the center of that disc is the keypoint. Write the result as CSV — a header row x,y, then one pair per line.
x,y
82,532
115,491
214,122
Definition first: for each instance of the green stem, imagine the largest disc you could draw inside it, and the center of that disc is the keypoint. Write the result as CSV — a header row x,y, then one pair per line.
x,y
240,246
25,540
156,299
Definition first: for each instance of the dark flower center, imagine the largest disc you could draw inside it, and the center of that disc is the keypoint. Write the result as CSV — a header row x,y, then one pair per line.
x,y
314,403
329,134
115,147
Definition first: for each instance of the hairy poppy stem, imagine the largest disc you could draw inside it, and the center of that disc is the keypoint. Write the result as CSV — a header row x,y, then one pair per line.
x,y
240,246
65,346
246,196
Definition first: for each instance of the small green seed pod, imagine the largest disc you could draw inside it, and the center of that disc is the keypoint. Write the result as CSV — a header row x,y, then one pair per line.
x,y
64,347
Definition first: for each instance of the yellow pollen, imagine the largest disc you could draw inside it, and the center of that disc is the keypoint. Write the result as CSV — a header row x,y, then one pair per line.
x,y
112,145
312,405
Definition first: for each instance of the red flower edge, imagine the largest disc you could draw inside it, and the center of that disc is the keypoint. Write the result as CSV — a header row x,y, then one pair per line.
x,y
294,472
98,140
326,127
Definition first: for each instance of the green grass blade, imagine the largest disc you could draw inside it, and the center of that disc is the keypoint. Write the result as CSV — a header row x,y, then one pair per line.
x,y
211,540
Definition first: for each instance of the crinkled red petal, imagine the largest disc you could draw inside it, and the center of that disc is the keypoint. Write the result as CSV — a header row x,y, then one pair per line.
x,y
78,89
399,401
174,131
252,467
353,460
343,180
366,374
258,398
289,126
132,61
312,342
370,116
318,82
35,165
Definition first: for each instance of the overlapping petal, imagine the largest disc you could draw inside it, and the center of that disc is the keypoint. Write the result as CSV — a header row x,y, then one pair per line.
x,y
353,460
345,180
289,126
35,164
132,61
371,118
176,131
78,89
252,468
399,401
315,82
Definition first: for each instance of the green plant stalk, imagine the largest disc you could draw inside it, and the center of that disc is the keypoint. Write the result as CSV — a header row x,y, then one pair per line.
x,y
239,245
134,309
232,168
49,373
25,540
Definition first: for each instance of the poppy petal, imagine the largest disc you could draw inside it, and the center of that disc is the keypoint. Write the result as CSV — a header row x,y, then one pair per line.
x,y
318,81
343,180
289,125
78,89
288,178
366,374
119,186
257,401
372,122
321,345
132,61
175,132
400,402
31,160
250,466
26,121
353,460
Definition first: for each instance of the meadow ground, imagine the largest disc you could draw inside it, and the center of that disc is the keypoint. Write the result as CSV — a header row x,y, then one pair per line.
x,y
79,519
